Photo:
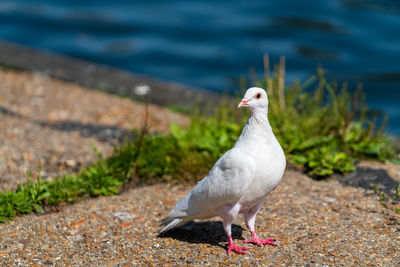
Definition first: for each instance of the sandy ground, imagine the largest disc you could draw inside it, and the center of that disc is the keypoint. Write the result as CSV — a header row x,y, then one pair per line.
x,y
316,223
52,123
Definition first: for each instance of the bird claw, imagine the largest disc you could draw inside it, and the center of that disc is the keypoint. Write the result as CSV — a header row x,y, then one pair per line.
x,y
236,249
261,242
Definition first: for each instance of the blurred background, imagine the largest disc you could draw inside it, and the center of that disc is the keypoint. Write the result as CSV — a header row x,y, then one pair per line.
x,y
211,44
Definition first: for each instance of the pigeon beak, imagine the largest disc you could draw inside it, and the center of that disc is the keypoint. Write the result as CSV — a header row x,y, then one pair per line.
x,y
243,103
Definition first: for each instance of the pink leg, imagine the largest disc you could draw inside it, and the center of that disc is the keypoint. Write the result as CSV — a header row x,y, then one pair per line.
x,y
232,247
228,213
260,242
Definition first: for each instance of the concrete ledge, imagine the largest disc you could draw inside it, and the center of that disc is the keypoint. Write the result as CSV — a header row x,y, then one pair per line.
x,y
102,77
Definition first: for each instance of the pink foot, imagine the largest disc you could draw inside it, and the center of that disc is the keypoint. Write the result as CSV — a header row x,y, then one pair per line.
x,y
260,242
232,247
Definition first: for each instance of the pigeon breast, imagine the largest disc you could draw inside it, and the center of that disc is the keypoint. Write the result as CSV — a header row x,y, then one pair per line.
x,y
259,143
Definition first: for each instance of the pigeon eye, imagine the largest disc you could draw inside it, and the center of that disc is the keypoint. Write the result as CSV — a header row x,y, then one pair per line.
x,y
258,95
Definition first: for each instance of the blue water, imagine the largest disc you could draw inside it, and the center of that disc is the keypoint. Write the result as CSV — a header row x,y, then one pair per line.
x,y
211,44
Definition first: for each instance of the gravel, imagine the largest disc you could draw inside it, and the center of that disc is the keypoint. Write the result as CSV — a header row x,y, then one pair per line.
x,y
317,223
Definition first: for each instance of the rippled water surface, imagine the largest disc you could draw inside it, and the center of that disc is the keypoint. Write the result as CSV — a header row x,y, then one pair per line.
x,y
210,44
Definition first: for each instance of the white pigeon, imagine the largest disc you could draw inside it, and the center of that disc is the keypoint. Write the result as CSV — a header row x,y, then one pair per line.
x,y
240,179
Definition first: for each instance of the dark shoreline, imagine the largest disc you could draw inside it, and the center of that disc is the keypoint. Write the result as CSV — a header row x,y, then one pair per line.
x,y
102,77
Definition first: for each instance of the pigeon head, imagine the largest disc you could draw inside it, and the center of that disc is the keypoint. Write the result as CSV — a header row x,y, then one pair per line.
x,y
255,98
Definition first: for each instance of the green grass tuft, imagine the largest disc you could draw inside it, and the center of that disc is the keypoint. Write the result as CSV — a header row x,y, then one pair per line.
x,y
323,129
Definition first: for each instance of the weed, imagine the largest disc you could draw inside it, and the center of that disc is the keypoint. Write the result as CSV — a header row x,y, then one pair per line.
x,y
391,202
381,195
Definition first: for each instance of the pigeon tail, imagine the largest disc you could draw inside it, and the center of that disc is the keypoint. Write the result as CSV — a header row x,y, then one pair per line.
x,y
171,223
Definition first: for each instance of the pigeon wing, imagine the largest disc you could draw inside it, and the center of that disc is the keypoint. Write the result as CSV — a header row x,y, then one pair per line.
x,y
225,183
